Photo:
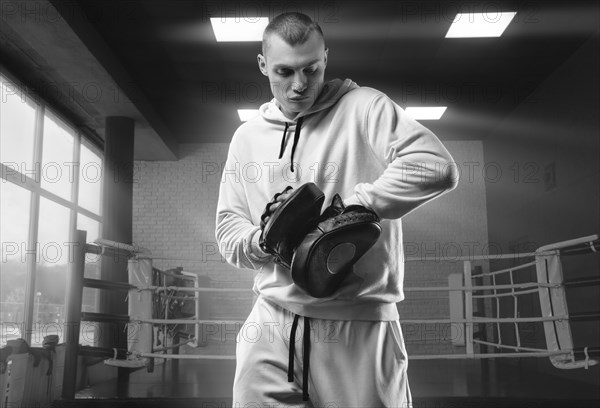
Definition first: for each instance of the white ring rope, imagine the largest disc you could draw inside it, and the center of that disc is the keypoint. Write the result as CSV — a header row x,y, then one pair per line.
x,y
187,356
187,321
490,257
408,289
190,289
501,271
521,292
475,319
411,357
487,355
507,346
483,287
190,340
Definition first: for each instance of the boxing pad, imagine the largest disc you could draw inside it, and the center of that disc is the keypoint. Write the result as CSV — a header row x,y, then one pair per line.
x,y
327,253
290,222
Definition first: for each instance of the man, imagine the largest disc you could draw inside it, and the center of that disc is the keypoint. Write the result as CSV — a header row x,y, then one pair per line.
x,y
349,140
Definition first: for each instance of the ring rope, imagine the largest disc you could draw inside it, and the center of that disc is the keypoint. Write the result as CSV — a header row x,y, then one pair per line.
x,y
518,319
173,346
188,321
488,355
483,287
490,257
507,346
190,289
501,271
176,297
411,357
187,356
521,292
475,319
159,289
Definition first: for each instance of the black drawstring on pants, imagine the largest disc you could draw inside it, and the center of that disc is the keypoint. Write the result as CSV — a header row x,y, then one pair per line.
x,y
305,354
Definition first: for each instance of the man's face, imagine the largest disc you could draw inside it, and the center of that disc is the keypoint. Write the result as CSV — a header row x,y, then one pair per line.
x,y
296,73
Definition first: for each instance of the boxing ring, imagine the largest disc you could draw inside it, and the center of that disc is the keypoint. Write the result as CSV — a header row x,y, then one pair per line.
x,y
549,286
152,294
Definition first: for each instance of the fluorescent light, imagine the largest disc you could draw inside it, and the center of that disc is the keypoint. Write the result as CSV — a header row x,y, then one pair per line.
x,y
239,29
480,24
247,114
425,112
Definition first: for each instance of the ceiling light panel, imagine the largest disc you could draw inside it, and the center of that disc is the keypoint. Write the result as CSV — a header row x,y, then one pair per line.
x,y
470,25
239,29
425,112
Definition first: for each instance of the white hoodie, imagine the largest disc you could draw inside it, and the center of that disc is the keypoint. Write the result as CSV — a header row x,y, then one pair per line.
x,y
353,141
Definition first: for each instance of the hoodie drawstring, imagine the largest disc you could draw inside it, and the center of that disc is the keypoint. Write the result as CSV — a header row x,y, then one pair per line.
x,y
287,125
296,138
305,354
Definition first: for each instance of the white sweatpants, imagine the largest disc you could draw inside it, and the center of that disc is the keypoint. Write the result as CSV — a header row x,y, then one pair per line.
x,y
352,363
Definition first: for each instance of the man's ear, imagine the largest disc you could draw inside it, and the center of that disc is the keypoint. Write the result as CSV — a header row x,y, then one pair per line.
x,y
326,52
262,64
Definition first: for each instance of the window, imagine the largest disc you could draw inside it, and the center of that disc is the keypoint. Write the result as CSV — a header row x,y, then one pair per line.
x,y
14,205
17,127
51,184
57,170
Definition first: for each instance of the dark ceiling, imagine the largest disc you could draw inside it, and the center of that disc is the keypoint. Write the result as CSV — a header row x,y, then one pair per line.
x,y
196,84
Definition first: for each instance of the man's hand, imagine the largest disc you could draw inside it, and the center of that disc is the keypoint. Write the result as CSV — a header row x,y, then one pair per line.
x,y
286,220
272,205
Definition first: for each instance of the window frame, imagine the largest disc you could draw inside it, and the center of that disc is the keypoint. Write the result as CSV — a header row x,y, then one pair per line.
x,y
34,186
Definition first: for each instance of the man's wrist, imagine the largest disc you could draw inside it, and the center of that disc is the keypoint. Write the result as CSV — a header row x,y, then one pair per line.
x,y
352,200
256,253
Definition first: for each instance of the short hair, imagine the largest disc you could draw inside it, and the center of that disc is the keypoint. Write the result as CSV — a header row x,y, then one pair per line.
x,y
293,27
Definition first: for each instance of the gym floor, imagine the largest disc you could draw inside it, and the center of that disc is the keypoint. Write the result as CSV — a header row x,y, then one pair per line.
x,y
474,379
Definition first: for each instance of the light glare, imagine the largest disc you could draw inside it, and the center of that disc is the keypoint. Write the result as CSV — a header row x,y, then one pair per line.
x,y
247,114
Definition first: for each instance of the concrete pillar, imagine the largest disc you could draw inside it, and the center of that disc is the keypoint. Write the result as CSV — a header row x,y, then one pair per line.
x,y
117,203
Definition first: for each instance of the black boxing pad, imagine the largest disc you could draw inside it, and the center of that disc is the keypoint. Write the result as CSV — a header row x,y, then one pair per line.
x,y
326,255
290,222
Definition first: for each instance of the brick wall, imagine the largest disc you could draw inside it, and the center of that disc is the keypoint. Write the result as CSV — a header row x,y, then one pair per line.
x,y
174,209
442,230
174,217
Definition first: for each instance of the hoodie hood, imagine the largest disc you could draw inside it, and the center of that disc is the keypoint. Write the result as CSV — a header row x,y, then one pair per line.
x,y
331,93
